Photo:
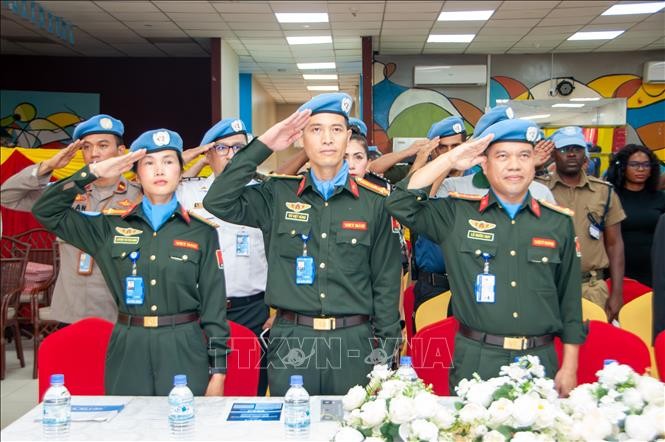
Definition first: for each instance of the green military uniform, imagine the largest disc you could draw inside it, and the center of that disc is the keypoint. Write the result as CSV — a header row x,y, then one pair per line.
x,y
181,274
535,263
357,265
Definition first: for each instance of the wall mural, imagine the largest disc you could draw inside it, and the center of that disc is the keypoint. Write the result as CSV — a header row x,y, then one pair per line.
x,y
401,111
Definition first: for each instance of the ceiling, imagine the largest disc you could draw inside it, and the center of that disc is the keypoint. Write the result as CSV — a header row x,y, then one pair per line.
x,y
110,28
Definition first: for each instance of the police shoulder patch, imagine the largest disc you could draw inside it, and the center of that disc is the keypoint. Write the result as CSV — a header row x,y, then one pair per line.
x,y
373,187
284,176
465,196
198,217
556,208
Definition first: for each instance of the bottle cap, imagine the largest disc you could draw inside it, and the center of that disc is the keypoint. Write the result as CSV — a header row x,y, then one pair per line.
x,y
57,379
180,379
405,360
609,361
296,379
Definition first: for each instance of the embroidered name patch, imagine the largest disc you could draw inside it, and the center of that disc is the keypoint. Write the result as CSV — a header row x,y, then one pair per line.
x,y
543,242
185,244
126,239
295,216
354,225
482,236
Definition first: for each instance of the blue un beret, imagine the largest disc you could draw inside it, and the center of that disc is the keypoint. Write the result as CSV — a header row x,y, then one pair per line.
x,y
523,131
492,116
333,103
99,124
157,140
568,136
447,128
223,129
360,124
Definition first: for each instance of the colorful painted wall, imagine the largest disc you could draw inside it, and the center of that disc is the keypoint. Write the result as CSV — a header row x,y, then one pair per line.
x,y
401,110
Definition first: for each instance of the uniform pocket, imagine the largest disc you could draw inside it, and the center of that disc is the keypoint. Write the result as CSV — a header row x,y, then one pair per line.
x,y
183,265
353,249
289,240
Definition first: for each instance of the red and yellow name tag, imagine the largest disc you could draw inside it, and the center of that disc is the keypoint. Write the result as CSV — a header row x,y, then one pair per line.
x,y
543,242
354,225
220,259
185,244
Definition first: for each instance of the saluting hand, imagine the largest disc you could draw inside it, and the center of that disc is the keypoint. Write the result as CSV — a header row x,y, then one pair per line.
x,y
469,153
286,132
425,148
60,159
116,166
190,154
542,152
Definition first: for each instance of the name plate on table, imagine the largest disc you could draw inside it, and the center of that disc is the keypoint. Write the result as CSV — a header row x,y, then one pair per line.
x,y
259,411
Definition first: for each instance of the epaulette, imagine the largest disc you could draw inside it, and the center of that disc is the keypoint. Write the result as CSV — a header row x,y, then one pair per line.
x,y
556,208
378,179
202,219
260,177
599,181
284,176
373,187
194,178
465,196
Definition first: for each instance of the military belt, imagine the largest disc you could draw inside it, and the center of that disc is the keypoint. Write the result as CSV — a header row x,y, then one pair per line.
x,y
243,300
156,321
506,342
593,274
323,323
434,279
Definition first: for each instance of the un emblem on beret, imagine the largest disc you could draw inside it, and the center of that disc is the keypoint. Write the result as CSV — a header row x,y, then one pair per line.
x,y
457,128
236,125
570,130
161,138
532,133
346,105
510,113
106,123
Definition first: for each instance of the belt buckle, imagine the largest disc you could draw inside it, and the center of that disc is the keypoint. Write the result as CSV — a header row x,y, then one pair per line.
x,y
517,343
324,324
150,321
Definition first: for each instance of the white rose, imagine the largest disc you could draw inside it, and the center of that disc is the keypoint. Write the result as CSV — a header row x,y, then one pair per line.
x,y
348,434
544,414
614,412
581,399
494,436
514,371
426,404
472,412
373,413
632,398
481,393
614,374
640,427
353,418
354,398
477,431
443,418
463,387
656,414
424,430
391,388
592,427
374,439
524,436
651,389
524,413
545,387
500,411
380,371
401,410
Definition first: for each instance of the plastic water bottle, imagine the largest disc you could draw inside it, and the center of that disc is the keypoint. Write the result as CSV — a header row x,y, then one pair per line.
x,y
56,409
405,370
181,407
296,410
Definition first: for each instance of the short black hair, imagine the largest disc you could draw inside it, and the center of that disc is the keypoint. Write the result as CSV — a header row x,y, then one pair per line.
x,y
616,172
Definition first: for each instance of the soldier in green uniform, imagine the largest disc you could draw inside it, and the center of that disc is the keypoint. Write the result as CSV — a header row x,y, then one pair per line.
x,y
164,270
333,260
512,260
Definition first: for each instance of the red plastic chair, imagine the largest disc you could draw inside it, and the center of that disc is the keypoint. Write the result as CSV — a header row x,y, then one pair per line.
x,y
432,350
409,303
659,348
631,289
79,352
242,363
606,341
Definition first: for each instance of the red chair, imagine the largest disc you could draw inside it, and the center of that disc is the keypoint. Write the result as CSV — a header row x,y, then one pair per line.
x,y
631,289
409,303
79,352
606,341
659,348
242,363
432,350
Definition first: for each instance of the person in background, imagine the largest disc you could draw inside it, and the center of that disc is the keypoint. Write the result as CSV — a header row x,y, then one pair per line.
x,y
634,172
658,281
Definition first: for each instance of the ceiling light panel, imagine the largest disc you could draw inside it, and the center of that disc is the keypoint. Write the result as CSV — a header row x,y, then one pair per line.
x,y
305,17
465,15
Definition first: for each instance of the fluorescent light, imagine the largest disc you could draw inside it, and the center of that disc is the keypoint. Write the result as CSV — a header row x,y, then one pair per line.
x,y
297,17
450,38
536,117
635,8
502,101
326,65
465,15
568,105
585,99
323,88
596,35
320,76
309,40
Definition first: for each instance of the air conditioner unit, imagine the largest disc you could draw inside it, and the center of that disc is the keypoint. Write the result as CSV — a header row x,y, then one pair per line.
x,y
475,74
654,72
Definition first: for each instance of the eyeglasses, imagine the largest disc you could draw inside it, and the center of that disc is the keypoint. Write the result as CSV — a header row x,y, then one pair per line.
x,y
223,148
639,164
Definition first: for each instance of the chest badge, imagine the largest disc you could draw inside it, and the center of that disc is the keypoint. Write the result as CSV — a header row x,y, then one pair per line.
x,y
128,231
298,206
481,226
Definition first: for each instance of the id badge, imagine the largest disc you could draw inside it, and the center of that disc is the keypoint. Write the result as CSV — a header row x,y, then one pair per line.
x,y
242,244
594,231
304,270
485,288
134,290
85,264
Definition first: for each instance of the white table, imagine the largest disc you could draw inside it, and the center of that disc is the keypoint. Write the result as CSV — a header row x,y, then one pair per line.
x,y
145,418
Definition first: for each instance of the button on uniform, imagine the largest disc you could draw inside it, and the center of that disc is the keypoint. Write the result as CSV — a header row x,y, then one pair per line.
x,y
153,282
513,284
515,315
153,308
322,265
153,257
513,253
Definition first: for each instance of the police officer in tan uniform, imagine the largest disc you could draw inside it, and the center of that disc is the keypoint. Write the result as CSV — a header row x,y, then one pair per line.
x,y
80,290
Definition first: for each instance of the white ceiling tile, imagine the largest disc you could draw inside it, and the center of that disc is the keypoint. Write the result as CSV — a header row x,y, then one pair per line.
x,y
248,18
355,25
194,17
648,26
457,27
360,6
554,30
349,17
501,33
465,5
158,33
520,50
124,6
202,25
49,48
590,13
418,16
59,7
526,12
185,6
355,32
412,26
598,4
153,25
140,16
627,20
242,7
345,52
549,21
522,5
430,50
406,39
11,28
516,24
407,6
606,28
262,34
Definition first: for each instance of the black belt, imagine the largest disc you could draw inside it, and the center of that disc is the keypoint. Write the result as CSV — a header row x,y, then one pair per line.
x,y
593,274
324,323
435,279
506,342
243,300
156,321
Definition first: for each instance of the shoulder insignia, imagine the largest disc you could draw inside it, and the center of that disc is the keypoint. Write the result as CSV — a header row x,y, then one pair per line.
x,y
595,180
198,217
122,187
260,177
193,178
465,196
284,176
117,212
556,208
373,187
